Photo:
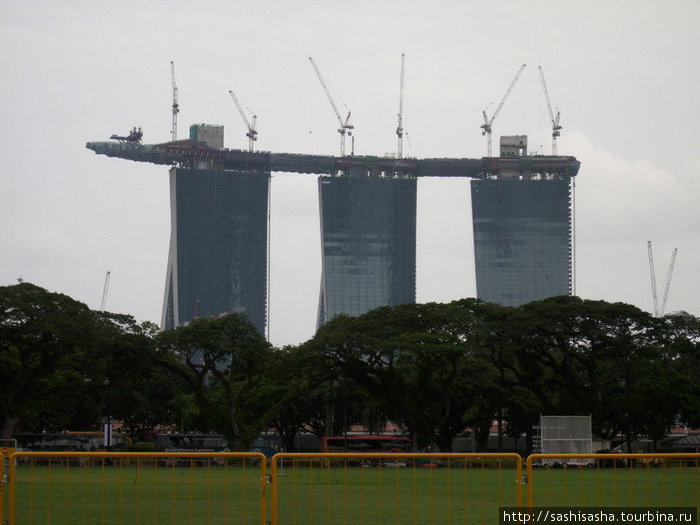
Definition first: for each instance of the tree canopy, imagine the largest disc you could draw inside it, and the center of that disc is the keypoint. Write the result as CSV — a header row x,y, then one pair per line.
x,y
432,369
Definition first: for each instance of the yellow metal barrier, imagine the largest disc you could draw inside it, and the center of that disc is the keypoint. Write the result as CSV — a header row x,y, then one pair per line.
x,y
137,488
613,480
397,488
2,486
400,488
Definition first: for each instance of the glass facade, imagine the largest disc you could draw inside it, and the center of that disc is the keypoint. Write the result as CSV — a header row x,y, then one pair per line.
x,y
368,233
218,246
522,239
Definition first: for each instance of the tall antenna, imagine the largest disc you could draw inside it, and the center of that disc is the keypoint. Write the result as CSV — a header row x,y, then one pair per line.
x,y
269,254
399,128
176,107
105,289
486,126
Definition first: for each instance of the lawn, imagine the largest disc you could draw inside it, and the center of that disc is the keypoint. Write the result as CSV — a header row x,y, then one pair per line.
x,y
671,484
137,494
457,492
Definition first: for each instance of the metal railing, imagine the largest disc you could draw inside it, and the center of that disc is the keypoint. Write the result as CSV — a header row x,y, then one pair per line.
x,y
334,488
613,480
114,488
392,487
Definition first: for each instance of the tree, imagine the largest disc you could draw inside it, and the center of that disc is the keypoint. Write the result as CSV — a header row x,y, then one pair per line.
x,y
224,361
579,357
313,394
44,341
681,353
139,390
418,361
65,367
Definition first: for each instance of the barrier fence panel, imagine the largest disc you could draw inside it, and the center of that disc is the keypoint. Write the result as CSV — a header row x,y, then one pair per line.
x,y
3,483
393,488
334,488
111,488
613,480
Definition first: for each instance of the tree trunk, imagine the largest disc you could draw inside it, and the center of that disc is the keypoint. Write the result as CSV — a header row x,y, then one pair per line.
x,y
414,440
8,427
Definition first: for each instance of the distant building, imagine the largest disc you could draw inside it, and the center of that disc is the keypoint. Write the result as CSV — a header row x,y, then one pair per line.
x,y
368,233
217,262
522,233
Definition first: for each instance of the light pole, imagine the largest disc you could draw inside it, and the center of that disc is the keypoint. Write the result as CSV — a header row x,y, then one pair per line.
x,y
107,440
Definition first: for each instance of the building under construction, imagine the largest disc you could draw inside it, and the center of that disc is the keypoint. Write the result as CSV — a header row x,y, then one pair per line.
x,y
522,232
219,204
368,234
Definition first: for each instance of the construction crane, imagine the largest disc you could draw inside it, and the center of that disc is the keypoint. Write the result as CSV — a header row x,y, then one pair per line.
x,y
105,289
667,282
399,128
176,106
659,310
345,126
486,126
553,118
252,133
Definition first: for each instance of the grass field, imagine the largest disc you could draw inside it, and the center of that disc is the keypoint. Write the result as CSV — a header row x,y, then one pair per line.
x,y
313,493
391,495
667,486
137,494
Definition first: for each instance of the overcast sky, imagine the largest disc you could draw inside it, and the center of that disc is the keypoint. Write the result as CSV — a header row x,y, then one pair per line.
x,y
624,74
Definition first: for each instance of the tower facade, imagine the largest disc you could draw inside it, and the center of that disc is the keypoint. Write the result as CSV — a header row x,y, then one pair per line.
x,y
217,261
368,234
522,238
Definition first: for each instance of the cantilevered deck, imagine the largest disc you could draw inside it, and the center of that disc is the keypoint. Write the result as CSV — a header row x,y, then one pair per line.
x,y
187,153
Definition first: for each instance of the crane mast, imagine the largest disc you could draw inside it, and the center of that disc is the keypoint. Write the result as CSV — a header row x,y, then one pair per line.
x,y
252,133
654,296
659,310
486,126
105,289
399,128
345,126
667,282
553,118
176,107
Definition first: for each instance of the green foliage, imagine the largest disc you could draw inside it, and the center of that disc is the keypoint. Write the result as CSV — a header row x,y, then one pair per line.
x,y
433,369
421,362
224,362
438,368
65,367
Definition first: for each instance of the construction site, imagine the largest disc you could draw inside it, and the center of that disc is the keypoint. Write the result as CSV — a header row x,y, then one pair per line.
x,y
523,217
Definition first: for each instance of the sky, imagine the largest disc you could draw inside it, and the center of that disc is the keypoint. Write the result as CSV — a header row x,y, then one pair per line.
x,y
623,74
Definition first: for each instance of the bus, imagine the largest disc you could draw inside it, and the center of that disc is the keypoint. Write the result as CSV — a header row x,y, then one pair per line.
x,y
191,443
361,444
